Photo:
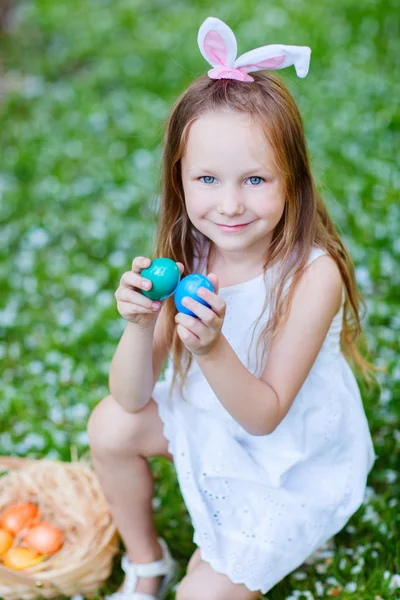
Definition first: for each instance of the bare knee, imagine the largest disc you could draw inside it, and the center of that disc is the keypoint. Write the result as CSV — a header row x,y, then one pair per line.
x,y
196,587
111,430
185,592
202,582
188,591
195,559
115,433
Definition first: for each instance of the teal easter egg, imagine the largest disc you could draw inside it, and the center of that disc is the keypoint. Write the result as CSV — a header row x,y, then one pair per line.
x,y
164,275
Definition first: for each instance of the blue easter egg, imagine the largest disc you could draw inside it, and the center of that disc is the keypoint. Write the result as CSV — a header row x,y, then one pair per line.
x,y
188,286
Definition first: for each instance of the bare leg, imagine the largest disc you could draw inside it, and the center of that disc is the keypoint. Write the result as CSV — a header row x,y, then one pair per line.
x,y
120,460
203,582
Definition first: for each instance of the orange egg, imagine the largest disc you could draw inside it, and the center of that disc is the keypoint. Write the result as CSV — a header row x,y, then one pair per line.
x,y
6,541
21,558
18,516
44,538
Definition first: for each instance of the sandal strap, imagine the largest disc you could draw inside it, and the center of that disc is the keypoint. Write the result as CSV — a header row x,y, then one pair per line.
x,y
134,571
159,567
153,569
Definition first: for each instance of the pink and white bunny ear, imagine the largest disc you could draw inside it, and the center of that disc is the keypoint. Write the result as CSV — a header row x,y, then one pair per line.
x,y
275,56
217,43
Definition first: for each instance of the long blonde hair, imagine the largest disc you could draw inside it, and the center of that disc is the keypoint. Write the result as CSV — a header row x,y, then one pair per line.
x,y
304,223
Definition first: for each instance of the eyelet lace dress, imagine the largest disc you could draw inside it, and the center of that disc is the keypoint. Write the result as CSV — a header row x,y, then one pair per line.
x,y
261,505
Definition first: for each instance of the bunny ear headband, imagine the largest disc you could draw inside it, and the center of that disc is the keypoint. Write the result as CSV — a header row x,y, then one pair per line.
x,y
217,44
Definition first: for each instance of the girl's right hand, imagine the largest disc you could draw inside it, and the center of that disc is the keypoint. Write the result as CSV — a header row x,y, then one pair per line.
x,y
132,305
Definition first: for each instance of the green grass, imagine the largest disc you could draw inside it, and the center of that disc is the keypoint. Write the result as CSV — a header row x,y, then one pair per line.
x,y
86,87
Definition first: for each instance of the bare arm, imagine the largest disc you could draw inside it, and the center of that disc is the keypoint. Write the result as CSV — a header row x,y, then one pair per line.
x,y
137,364
142,349
260,404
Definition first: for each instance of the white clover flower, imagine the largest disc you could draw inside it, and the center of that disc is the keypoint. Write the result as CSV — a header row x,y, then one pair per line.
x,y
394,582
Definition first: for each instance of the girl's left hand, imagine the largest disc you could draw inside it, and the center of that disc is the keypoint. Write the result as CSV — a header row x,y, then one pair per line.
x,y
200,335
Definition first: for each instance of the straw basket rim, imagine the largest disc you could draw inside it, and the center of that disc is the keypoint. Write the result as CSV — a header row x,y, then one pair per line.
x,y
79,487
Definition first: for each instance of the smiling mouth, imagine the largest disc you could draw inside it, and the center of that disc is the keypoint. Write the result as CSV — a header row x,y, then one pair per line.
x,y
232,227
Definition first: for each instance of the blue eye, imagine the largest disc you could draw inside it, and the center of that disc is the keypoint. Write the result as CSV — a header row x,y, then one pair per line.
x,y
256,177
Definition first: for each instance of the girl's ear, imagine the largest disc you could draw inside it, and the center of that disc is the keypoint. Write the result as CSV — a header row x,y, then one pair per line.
x,y
275,56
217,43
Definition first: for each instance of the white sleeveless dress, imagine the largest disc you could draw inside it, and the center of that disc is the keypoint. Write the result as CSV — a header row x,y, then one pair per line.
x,y
261,505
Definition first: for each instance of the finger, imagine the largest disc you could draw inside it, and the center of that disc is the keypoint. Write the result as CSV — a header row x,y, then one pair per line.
x,y
131,309
214,280
181,267
194,325
130,280
136,298
139,263
217,304
205,314
186,335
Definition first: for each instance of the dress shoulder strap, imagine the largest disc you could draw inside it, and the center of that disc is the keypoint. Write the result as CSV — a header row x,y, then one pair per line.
x,y
315,253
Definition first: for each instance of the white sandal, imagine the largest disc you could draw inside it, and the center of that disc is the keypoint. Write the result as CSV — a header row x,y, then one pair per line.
x,y
166,566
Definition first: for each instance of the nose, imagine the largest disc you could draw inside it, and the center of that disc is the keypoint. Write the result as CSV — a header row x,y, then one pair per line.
x,y
231,203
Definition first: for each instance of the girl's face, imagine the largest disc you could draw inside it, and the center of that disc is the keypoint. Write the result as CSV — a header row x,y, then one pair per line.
x,y
229,178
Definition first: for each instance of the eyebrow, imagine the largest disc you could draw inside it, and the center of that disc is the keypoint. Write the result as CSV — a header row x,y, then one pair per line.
x,y
246,173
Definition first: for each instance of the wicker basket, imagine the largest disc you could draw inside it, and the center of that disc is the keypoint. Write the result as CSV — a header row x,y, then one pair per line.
x,y
69,496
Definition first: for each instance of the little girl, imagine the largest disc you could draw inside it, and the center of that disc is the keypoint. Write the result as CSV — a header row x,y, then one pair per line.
x,y
259,409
